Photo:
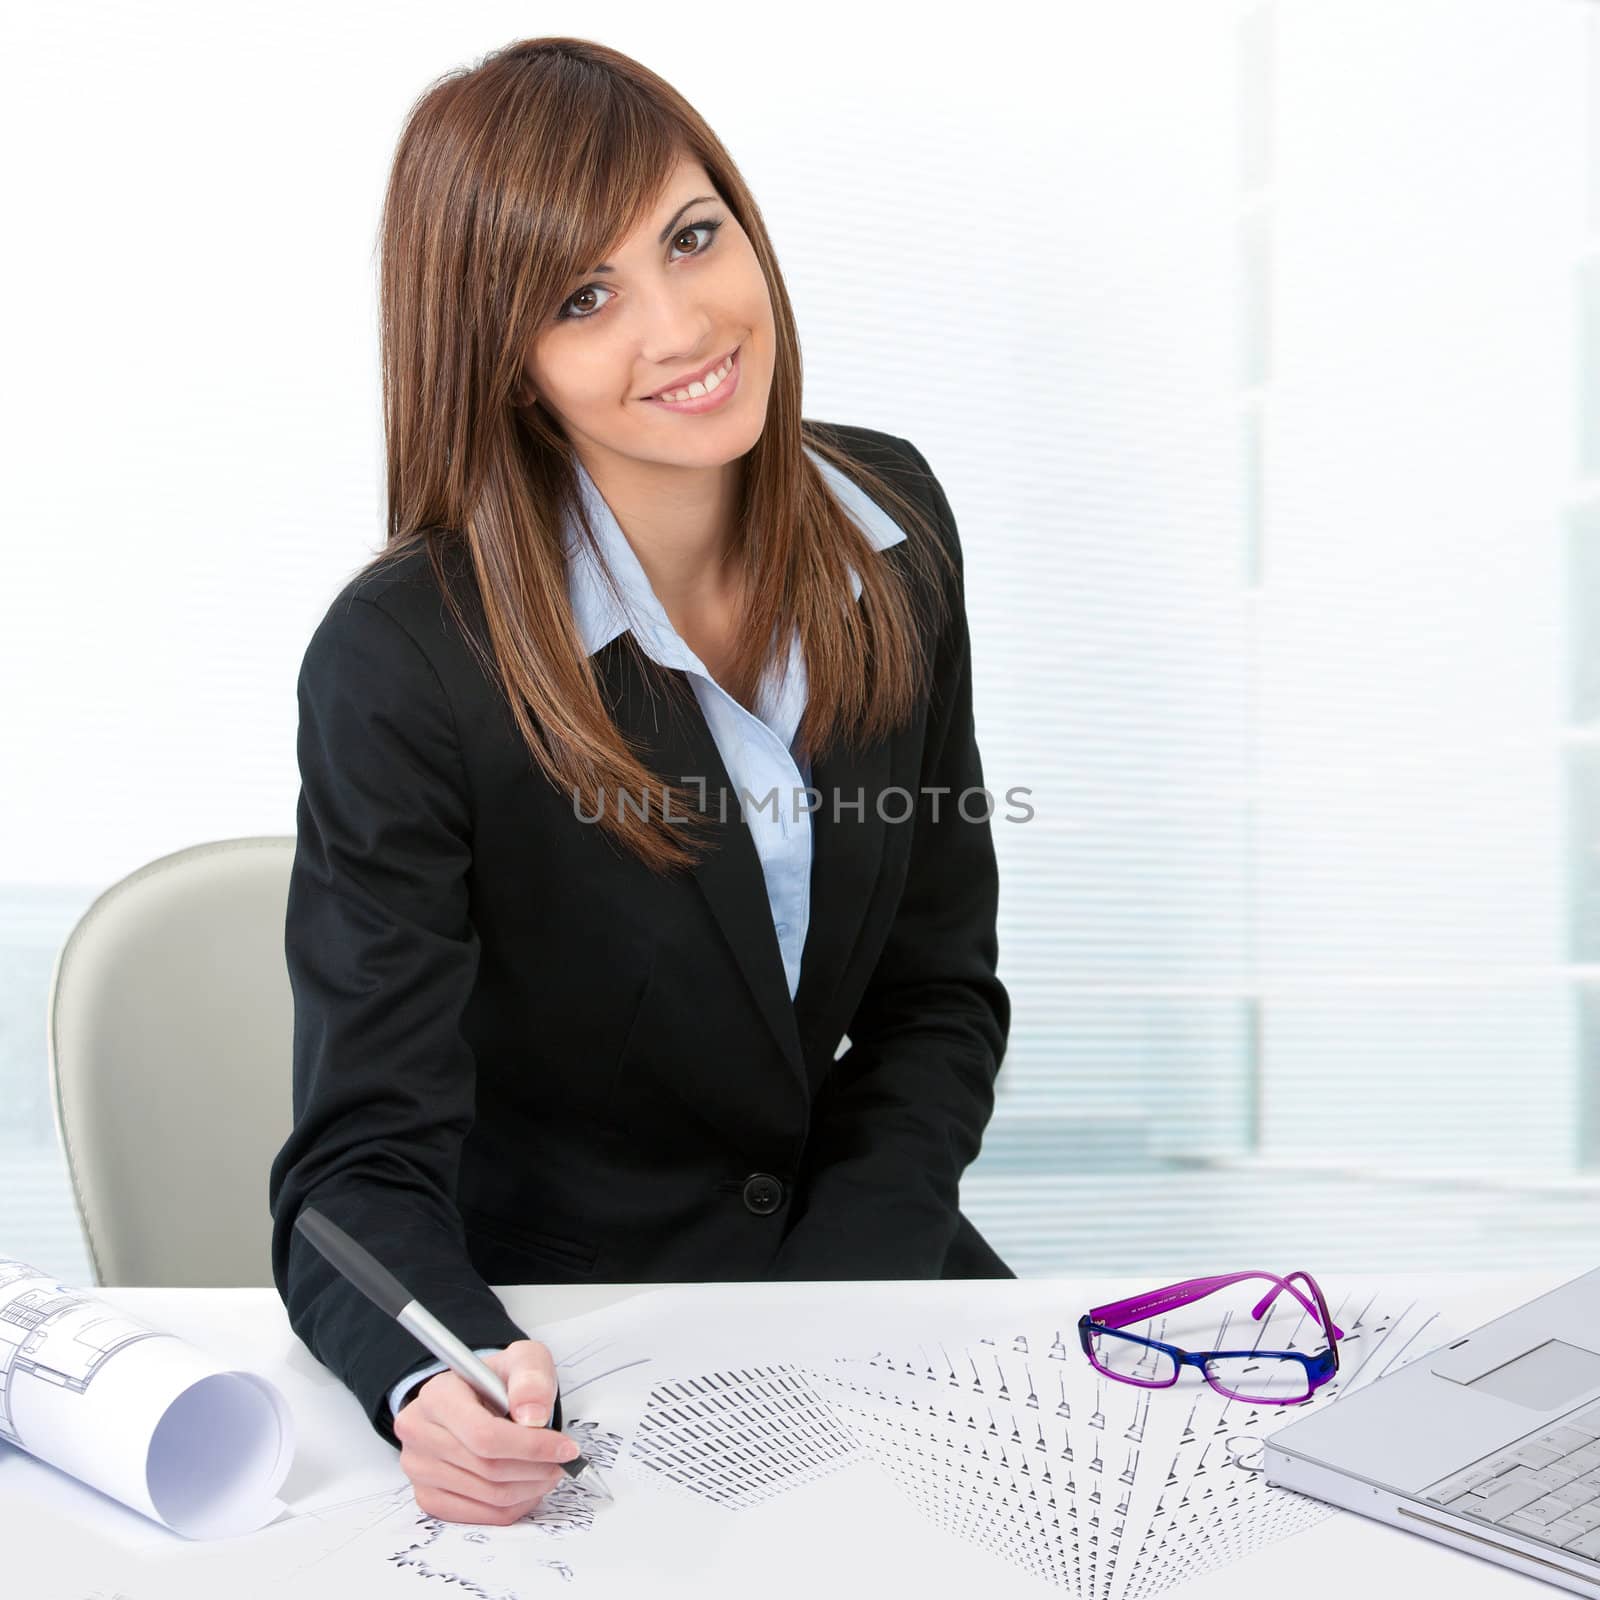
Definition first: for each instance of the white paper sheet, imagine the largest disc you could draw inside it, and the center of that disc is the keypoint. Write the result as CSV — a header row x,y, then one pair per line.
x,y
137,1413
854,1448
1017,1445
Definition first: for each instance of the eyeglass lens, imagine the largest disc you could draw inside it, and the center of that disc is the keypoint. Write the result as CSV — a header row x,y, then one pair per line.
x,y
1274,1380
1245,1377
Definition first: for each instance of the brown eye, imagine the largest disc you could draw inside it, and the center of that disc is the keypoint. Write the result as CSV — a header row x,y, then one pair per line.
x,y
706,227
571,311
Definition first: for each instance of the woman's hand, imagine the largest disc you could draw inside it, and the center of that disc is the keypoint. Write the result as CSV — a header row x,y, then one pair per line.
x,y
468,1465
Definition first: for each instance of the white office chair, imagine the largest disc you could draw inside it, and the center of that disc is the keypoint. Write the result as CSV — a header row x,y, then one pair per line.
x,y
170,1031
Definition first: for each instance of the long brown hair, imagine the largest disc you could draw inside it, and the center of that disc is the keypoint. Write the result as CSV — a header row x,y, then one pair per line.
x,y
509,180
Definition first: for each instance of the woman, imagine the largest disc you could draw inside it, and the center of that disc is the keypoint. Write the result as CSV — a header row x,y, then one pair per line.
x,y
638,779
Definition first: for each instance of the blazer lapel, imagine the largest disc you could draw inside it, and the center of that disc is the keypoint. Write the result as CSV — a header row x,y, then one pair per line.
x,y
846,853
676,744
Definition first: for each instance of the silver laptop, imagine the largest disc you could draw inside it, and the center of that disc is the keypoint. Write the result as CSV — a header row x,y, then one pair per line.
x,y
1490,1445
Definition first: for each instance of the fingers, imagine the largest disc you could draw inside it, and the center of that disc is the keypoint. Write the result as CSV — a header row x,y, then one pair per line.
x,y
467,1464
491,1500
530,1379
457,1508
447,1420
496,1439
433,1440
458,1410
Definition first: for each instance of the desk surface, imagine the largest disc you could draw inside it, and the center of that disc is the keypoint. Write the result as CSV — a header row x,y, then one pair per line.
x,y
1339,1556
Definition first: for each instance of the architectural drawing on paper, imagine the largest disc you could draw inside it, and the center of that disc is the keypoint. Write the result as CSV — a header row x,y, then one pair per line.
x,y
1016,1446
464,1556
1216,1507
54,1335
1116,1491
972,1466
739,1438
382,1544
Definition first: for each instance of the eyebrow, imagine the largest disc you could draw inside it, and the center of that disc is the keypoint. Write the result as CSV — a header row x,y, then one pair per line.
x,y
666,232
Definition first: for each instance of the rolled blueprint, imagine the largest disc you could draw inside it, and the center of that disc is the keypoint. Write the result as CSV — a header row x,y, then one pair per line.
x,y
139,1414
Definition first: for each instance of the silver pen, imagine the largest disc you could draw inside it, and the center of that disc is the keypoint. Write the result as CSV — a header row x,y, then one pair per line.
x,y
386,1292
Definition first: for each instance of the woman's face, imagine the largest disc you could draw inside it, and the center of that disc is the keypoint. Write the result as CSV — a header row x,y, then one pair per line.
x,y
674,298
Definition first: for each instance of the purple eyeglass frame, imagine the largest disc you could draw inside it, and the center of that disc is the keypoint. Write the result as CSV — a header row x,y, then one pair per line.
x,y
1109,1319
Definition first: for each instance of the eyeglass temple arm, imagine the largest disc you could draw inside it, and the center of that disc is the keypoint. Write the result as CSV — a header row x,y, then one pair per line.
x,y
1334,1330
1121,1312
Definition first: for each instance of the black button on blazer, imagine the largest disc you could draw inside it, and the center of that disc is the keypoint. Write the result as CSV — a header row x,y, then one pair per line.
x,y
522,1057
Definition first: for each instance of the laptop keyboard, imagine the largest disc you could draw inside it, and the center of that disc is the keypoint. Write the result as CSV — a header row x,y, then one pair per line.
x,y
1546,1487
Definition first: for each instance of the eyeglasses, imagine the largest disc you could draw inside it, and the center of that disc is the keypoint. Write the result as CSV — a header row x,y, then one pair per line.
x,y
1270,1377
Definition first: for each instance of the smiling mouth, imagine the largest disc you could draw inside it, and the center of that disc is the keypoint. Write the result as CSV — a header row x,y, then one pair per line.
x,y
720,366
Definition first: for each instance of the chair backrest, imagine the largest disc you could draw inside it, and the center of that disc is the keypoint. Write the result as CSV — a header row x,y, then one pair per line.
x,y
170,1032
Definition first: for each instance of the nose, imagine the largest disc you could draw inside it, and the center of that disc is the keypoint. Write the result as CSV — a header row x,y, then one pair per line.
x,y
677,330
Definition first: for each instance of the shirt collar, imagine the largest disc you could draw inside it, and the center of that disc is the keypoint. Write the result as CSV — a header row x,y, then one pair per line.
x,y
596,609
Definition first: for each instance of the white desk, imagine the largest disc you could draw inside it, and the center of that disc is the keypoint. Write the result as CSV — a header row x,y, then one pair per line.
x,y
1342,1556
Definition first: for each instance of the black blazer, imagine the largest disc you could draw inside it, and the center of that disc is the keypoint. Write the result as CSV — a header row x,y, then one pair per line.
x,y
521,1057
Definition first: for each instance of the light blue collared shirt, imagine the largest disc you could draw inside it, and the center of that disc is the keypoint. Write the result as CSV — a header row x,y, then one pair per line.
x,y
756,750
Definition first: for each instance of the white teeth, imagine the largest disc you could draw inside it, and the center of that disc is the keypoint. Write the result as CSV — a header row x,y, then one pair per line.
x,y
712,381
